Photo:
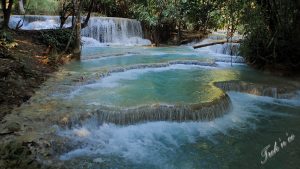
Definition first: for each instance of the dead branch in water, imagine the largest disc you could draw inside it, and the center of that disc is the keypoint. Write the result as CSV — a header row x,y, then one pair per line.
x,y
215,43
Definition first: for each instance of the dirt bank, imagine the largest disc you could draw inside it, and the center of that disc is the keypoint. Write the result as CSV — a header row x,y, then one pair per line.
x,y
24,66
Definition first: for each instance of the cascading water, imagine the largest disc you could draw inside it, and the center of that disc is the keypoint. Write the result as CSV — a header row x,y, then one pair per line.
x,y
36,22
106,30
148,91
227,52
115,30
214,144
226,49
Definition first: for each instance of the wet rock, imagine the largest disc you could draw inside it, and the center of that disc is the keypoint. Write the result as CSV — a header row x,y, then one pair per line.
x,y
16,155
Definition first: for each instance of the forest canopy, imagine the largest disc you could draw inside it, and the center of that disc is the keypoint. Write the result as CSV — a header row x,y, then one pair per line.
x,y
270,27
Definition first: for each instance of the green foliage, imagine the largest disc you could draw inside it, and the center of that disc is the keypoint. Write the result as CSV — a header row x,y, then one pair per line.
x,y
157,12
149,14
271,28
272,34
40,7
57,39
202,14
6,37
5,40
231,12
111,8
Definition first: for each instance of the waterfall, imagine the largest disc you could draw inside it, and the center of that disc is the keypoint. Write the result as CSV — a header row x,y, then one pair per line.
x,y
204,111
106,30
115,30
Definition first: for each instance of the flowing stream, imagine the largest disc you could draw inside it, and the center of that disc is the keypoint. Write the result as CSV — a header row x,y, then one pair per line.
x,y
171,107
106,30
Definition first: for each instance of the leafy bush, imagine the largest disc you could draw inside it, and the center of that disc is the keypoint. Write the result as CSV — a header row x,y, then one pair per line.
x,y
58,39
272,35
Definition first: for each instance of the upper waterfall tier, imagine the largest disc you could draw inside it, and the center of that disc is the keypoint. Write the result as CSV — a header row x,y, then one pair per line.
x,y
103,29
112,30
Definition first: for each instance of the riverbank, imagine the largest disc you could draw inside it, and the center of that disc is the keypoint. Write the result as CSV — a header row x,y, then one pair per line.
x,y
25,63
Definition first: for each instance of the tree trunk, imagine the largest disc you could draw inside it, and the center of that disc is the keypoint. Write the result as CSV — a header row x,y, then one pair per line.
x,y
77,49
63,14
179,33
155,35
86,21
21,7
6,12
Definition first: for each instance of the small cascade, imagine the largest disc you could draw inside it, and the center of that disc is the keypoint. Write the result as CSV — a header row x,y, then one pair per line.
x,y
196,112
280,92
226,49
202,111
227,52
206,111
106,30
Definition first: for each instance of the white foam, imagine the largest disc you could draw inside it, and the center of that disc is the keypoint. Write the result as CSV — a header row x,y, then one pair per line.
x,y
90,42
148,142
82,132
137,41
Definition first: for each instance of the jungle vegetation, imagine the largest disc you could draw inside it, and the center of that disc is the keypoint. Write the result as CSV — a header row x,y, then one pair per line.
x,y
271,28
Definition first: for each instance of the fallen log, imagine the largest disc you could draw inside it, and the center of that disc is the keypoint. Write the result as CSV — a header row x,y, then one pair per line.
x,y
215,43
